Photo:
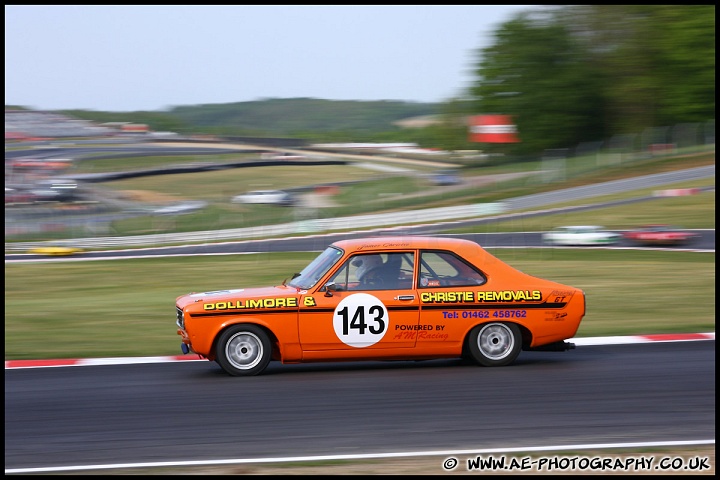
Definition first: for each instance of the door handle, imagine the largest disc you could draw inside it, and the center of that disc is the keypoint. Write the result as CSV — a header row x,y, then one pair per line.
x,y
405,297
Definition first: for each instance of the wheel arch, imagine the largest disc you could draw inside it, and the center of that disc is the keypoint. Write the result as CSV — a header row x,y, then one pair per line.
x,y
274,342
527,335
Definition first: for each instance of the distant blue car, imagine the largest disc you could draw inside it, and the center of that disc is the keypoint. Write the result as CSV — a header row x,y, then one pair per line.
x,y
446,177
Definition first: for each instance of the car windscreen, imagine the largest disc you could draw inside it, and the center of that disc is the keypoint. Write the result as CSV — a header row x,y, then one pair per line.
x,y
310,275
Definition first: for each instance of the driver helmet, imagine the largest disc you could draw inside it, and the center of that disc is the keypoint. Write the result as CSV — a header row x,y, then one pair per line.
x,y
365,264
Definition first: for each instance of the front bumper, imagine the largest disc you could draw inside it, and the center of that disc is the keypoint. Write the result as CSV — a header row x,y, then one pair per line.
x,y
186,344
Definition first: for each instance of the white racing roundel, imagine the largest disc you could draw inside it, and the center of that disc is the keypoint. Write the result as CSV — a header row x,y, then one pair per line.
x,y
360,320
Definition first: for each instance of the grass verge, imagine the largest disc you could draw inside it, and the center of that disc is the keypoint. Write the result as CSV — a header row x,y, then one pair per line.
x,y
126,307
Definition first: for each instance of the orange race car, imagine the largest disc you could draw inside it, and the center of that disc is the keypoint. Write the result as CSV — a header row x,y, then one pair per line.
x,y
386,298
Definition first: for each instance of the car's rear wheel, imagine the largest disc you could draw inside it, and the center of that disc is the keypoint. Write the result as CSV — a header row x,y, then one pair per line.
x,y
495,344
244,350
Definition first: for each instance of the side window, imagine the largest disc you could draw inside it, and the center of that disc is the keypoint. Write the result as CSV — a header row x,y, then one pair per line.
x,y
376,272
397,272
445,269
342,278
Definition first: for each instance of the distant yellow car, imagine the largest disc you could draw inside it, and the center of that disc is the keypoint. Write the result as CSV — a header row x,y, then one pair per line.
x,y
55,250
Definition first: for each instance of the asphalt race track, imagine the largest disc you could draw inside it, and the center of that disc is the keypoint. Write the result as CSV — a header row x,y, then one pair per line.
x,y
192,411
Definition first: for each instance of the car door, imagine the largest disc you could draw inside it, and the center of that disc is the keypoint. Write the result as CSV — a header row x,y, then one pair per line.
x,y
447,289
356,320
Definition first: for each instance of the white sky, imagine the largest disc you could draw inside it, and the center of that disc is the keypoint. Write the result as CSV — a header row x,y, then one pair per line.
x,y
129,57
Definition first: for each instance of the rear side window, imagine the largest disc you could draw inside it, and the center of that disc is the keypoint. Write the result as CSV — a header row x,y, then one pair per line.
x,y
445,269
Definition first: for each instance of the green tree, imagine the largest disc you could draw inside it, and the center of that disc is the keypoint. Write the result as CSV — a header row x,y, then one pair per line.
x,y
658,61
685,36
571,74
536,72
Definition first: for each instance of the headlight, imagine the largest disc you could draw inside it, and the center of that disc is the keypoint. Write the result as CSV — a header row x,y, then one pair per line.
x,y
180,317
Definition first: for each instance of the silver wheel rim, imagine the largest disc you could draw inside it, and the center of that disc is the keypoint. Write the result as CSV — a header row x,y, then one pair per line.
x,y
496,341
244,350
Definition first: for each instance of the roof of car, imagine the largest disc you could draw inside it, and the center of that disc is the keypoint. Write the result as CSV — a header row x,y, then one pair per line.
x,y
661,227
405,242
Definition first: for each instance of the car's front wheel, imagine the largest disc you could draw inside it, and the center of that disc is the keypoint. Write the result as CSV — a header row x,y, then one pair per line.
x,y
495,344
244,350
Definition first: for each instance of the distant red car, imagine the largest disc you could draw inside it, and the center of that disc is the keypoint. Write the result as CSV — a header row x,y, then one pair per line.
x,y
660,235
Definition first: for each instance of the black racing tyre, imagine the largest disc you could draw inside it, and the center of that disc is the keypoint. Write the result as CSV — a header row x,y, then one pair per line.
x,y
495,344
243,350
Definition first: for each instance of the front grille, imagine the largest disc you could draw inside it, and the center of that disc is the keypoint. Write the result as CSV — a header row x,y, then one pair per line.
x,y
179,317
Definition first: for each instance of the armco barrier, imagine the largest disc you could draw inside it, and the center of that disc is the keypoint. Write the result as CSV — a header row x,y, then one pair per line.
x,y
263,231
380,220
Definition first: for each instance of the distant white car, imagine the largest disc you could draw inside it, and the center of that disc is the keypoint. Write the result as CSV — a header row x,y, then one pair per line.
x,y
273,197
580,235
55,189
180,208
